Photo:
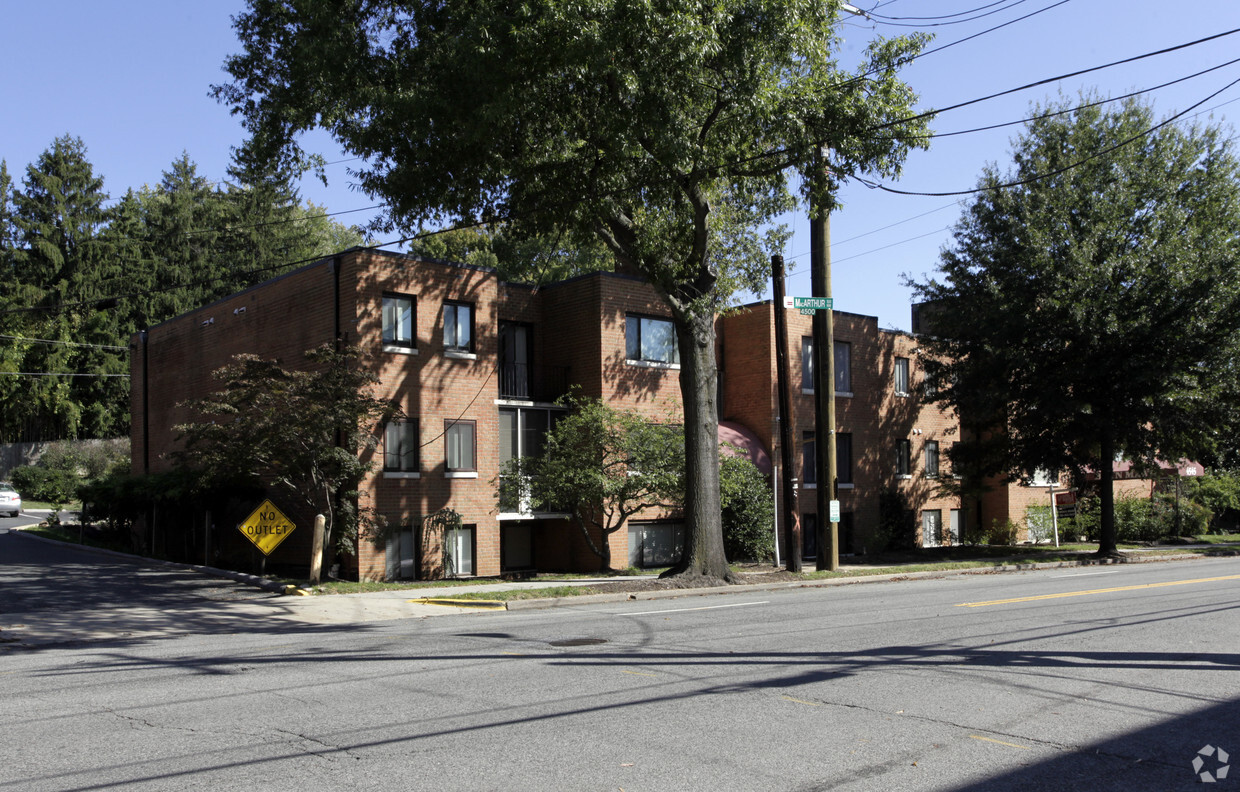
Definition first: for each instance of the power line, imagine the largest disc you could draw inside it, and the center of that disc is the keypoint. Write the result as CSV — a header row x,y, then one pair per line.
x,y
880,19
1057,78
66,343
1077,108
56,374
942,16
1056,171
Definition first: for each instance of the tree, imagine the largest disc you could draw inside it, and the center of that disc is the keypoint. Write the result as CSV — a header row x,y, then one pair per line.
x,y
602,465
1092,310
246,433
59,266
667,131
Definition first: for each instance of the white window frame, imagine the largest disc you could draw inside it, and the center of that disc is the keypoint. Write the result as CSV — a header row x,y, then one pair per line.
x,y
400,323
453,327
455,433
636,334
902,376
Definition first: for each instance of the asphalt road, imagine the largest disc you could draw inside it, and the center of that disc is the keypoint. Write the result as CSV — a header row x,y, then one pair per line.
x,y
1059,679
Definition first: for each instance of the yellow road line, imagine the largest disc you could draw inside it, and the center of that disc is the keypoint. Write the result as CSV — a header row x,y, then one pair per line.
x,y
999,742
802,701
1094,591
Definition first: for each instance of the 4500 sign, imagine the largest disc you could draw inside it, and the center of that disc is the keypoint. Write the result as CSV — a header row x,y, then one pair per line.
x,y
267,527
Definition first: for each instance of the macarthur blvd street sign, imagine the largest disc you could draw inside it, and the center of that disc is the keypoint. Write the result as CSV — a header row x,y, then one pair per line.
x,y
267,527
807,305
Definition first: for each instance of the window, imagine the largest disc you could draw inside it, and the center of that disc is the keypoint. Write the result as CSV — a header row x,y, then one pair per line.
x,y
458,327
516,542
400,447
932,459
902,458
398,322
956,525
655,544
522,433
843,457
901,376
650,340
809,460
807,365
842,365
931,528
1042,478
460,546
459,439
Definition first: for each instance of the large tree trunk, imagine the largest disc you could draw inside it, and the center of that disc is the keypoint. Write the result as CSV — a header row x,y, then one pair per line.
x,y
1107,535
703,556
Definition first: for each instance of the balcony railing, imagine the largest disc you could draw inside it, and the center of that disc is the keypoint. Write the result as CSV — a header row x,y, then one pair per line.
x,y
532,383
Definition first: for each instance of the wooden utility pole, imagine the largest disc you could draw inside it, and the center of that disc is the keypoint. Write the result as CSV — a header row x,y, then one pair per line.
x,y
792,531
824,378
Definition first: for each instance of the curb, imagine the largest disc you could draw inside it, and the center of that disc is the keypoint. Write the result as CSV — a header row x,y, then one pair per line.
x,y
462,603
626,596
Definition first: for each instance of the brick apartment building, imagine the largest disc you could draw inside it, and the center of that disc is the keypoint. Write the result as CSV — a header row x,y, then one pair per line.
x,y
889,442
477,363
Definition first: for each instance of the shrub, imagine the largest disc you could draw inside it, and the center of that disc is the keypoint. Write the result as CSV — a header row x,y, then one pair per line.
x,y
897,523
1041,523
1001,533
52,485
748,511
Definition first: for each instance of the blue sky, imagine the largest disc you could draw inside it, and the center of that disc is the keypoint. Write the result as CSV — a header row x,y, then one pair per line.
x,y
131,78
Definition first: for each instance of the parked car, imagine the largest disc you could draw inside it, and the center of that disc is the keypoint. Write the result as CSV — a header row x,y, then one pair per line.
x,y
10,501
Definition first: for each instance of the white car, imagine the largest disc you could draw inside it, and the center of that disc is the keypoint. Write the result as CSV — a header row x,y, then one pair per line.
x,y
10,501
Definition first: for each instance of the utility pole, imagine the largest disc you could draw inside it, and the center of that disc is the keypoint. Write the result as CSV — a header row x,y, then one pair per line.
x,y
824,372
792,533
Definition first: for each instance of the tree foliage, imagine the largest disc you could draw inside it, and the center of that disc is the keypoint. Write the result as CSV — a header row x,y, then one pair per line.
x,y
668,132
82,275
1092,311
601,465
303,432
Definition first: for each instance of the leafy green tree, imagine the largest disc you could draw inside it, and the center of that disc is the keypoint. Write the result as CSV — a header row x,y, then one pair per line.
x,y
1092,310
539,259
667,132
602,466
245,435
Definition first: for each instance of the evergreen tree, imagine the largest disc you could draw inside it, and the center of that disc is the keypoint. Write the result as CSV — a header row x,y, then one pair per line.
x,y
59,267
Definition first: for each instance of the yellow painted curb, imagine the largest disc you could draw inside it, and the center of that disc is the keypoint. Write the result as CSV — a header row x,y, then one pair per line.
x,y
462,603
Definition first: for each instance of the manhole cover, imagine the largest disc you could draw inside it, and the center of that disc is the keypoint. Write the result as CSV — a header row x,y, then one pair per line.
x,y
579,642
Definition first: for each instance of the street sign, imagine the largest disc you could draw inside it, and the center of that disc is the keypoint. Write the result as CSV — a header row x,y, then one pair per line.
x,y
807,305
835,511
267,527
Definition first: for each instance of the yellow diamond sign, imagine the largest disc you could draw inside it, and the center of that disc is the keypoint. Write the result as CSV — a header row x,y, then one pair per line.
x,y
267,527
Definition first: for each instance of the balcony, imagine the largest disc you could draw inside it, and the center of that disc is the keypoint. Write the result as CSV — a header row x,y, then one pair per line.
x,y
532,383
